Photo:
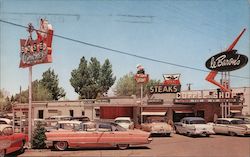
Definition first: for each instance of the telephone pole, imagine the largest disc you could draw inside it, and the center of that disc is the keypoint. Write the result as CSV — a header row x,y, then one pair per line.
x,y
189,86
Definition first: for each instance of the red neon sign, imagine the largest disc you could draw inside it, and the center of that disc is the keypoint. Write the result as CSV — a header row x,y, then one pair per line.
x,y
37,51
211,76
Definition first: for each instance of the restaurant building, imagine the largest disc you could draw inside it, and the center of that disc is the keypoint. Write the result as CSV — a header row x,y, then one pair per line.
x,y
172,106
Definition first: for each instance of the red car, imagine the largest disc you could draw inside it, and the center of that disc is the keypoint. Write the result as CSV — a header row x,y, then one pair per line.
x,y
95,134
10,141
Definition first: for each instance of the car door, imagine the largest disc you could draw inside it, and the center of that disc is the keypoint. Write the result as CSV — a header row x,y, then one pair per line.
x,y
105,134
124,136
86,137
184,127
189,127
5,141
221,126
8,133
216,126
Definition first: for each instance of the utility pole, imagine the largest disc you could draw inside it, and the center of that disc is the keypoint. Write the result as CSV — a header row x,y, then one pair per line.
x,y
189,86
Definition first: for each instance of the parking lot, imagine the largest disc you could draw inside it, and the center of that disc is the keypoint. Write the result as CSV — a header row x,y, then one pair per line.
x,y
174,146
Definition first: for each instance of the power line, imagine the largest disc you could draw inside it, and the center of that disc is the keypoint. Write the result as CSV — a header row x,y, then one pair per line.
x,y
120,52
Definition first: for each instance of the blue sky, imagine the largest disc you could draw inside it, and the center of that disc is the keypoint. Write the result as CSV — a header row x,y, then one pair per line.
x,y
181,32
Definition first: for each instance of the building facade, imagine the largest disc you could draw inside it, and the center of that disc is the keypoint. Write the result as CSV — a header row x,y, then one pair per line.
x,y
172,106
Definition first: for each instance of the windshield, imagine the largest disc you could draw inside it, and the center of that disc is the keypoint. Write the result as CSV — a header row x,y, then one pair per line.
x,y
122,121
238,122
119,128
197,122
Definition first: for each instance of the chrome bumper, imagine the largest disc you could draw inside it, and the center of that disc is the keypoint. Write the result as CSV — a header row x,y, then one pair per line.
x,y
150,140
49,144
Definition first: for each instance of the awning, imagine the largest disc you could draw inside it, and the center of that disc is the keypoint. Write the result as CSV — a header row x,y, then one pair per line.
x,y
183,111
153,113
235,111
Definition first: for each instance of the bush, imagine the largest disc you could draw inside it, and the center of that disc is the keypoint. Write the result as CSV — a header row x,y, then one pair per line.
x,y
39,137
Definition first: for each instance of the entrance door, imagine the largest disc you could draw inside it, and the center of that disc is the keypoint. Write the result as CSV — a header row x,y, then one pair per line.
x,y
178,116
200,113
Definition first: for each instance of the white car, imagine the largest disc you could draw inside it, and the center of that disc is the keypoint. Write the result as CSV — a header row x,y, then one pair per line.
x,y
231,126
125,122
193,126
5,121
157,125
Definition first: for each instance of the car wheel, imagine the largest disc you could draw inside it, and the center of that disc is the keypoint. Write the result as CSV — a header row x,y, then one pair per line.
x,y
232,133
2,152
21,150
189,134
122,146
176,131
167,134
61,145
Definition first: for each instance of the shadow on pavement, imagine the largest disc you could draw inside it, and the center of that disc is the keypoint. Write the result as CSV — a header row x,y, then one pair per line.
x,y
105,148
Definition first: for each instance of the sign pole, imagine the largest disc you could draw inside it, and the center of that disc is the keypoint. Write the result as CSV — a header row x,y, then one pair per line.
x,y
30,105
229,108
35,52
141,101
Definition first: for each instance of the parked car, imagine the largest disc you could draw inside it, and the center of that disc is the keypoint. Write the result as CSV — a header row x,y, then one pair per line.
x,y
193,126
52,121
59,118
5,121
125,122
245,118
69,125
81,118
10,141
157,125
231,126
95,134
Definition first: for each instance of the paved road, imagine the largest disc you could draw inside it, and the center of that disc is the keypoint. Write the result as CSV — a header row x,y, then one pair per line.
x,y
175,146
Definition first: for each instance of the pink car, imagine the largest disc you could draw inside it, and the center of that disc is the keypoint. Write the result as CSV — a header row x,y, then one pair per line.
x,y
92,134
9,141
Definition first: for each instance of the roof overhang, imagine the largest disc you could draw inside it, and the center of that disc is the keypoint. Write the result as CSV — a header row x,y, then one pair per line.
x,y
235,111
183,111
153,113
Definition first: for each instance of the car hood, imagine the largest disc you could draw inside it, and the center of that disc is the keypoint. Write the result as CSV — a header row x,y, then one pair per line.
x,y
5,143
245,125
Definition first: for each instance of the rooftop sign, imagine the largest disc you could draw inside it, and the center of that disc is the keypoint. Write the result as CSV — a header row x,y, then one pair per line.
x,y
39,50
164,89
226,61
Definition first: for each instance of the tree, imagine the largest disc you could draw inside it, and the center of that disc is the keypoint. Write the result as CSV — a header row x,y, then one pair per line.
x,y
5,102
94,75
106,76
80,79
39,93
91,79
39,136
127,86
50,81
1,100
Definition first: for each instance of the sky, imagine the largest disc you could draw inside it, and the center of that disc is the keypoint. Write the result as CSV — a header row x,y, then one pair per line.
x,y
183,32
